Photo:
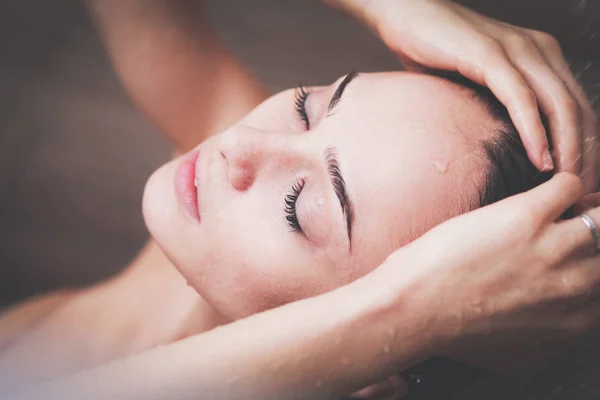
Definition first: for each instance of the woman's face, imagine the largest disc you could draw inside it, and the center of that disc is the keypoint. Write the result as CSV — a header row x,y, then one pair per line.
x,y
308,193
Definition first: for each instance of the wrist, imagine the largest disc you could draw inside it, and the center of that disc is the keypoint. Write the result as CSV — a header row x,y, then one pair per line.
x,y
400,307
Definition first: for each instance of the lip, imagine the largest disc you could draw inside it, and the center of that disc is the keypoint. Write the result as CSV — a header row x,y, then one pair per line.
x,y
185,187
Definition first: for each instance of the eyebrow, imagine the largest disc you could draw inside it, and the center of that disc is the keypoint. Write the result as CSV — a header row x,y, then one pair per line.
x,y
335,99
339,187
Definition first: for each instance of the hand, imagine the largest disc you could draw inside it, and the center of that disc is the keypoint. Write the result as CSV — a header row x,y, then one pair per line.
x,y
510,272
522,67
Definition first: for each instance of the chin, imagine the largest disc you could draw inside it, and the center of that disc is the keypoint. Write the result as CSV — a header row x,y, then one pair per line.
x,y
159,204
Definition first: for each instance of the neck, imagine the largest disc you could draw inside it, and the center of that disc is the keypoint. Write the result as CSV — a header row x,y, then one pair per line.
x,y
148,305
166,308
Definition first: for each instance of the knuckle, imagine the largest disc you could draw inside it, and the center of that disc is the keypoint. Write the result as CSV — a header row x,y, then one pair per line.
x,y
570,105
570,185
517,40
576,285
574,187
580,286
547,40
553,257
528,95
489,48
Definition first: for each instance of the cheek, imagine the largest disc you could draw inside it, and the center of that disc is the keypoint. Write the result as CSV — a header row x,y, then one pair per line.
x,y
179,236
255,264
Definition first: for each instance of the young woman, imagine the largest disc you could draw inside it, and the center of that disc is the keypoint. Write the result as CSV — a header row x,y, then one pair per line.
x,y
310,191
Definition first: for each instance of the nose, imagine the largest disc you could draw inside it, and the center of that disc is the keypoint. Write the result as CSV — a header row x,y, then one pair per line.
x,y
251,153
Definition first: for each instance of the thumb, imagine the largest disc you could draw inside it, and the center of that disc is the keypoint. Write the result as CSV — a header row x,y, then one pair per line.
x,y
551,199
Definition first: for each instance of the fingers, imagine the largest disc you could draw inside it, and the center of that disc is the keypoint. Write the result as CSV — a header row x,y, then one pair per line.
x,y
576,236
498,73
551,199
554,97
551,50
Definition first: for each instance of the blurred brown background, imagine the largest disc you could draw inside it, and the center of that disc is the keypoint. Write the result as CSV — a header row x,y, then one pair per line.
x,y
75,154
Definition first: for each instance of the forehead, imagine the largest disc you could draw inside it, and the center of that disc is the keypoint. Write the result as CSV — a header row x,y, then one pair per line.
x,y
408,148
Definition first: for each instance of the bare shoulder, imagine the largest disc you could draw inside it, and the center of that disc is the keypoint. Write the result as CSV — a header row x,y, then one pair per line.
x,y
24,316
147,305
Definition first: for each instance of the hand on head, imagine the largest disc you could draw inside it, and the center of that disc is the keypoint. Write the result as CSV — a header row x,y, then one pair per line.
x,y
512,273
524,68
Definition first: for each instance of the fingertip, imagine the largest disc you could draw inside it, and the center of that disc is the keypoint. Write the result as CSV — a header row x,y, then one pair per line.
x,y
547,163
533,136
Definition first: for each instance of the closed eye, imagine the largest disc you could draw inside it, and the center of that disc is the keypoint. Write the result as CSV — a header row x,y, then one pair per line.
x,y
291,199
300,105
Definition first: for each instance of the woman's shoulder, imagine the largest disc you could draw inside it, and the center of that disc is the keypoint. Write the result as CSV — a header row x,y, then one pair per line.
x,y
22,317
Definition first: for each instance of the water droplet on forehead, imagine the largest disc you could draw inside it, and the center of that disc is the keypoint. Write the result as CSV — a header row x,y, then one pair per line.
x,y
440,165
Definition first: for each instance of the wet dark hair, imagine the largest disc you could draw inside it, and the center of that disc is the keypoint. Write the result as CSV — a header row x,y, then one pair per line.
x,y
509,170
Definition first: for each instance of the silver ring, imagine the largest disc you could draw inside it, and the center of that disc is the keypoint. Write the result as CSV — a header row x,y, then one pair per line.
x,y
589,222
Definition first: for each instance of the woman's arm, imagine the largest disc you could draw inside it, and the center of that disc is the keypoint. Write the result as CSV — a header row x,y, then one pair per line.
x,y
503,268
316,348
174,67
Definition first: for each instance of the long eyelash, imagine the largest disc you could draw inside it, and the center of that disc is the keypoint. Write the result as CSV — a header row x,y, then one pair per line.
x,y
290,206
300,104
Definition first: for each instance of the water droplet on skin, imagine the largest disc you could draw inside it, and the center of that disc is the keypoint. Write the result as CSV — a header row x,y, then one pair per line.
x,y
345,361
196,183
564,280
320,201
386,348
440,166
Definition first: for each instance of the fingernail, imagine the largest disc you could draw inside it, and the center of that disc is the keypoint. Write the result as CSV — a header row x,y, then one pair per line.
x,y
548,163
